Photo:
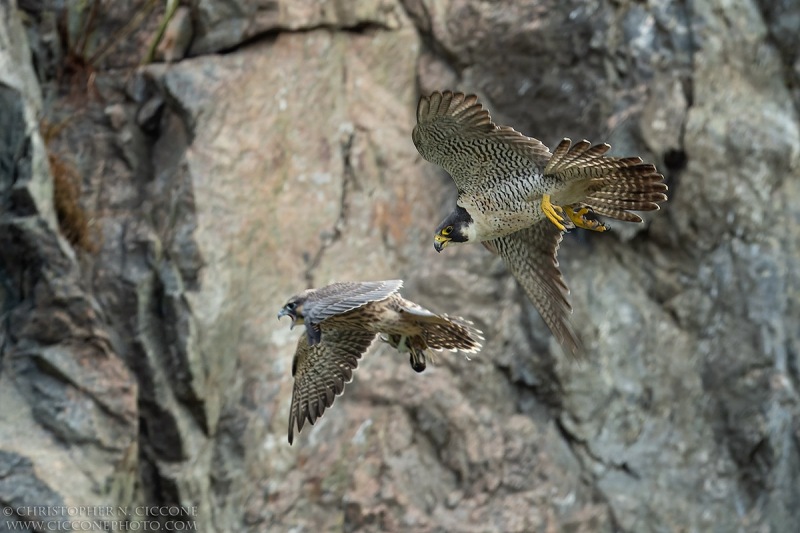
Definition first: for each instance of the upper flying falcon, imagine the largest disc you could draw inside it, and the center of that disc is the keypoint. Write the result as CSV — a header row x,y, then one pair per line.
x,y
517,198
341,321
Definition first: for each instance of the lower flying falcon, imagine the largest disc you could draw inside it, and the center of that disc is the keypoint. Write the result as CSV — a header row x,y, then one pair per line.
x,y
341,321
518,198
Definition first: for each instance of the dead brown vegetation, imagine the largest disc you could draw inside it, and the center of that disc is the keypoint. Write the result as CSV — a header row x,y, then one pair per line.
x,y
72,218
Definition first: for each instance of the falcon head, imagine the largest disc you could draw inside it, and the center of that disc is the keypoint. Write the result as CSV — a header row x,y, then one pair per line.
x,y
457,227
294,309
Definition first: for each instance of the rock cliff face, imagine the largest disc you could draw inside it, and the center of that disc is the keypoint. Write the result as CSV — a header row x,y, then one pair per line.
x,y
141,363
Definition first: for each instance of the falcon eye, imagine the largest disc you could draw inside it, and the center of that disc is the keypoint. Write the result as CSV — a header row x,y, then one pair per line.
x,y
447,231
290,306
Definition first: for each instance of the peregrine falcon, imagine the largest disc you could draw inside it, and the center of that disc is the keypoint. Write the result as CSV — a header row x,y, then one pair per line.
x,y
517,198
341,321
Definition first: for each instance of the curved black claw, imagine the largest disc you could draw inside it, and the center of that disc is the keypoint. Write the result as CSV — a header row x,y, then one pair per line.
x,y
580,219
417,361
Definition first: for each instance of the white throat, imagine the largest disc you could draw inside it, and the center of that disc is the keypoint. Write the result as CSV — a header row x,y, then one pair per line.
x,y
472,233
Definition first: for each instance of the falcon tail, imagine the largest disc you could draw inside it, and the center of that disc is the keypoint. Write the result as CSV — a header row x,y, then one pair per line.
x,y
445,333
455,334
638,188
610,186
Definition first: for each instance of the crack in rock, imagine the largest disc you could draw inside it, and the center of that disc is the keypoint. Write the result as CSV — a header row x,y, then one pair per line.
x,y
328,238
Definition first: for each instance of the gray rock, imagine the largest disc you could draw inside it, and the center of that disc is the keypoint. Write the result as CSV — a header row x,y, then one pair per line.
x,y
152,372
19,488
177,36
68,426
225,25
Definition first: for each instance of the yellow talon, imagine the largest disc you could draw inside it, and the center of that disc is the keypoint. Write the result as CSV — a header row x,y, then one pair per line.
x,y
579,219
553,212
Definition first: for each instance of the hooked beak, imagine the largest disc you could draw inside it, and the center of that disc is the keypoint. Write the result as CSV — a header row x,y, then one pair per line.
x,y
439,242
285,312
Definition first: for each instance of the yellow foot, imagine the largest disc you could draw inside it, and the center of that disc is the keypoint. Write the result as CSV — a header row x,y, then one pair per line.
x,y
553,212
579,219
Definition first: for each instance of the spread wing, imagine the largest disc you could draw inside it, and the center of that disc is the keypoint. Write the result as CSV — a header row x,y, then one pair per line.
x,y
342,297
530,255
321,371
584,160
455,132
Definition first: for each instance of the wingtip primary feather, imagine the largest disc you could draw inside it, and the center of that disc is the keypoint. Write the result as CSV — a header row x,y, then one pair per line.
x,y
323,370
463,108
